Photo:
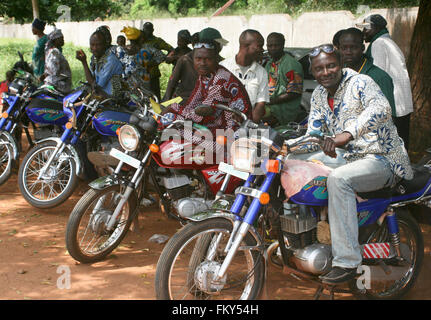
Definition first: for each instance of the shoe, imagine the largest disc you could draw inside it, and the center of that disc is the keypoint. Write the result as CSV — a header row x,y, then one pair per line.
x,y
338,275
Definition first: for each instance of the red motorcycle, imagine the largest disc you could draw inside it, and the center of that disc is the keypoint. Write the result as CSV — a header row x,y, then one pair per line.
x,y
173,169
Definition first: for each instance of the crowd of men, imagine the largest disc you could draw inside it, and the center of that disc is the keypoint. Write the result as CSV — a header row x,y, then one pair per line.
x,y
363,99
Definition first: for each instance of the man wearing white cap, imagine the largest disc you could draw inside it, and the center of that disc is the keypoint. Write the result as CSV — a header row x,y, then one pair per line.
x,y
389,57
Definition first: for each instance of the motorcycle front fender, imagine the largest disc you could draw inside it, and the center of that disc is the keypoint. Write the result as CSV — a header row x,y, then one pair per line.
x,y
73,151
9,139
104,182
225,214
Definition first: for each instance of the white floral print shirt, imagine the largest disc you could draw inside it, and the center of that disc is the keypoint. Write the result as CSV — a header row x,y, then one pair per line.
x,y
361,109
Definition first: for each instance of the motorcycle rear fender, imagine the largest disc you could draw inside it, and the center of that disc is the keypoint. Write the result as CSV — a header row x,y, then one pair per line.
x,y
15,151
73,151
225,214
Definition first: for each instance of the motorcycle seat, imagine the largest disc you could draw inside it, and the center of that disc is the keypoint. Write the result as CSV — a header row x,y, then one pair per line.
x,y
45,103
421,176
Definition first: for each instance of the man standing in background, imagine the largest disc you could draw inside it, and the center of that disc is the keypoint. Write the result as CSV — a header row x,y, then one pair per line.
x,y
285,84
252,75
389,57
38,56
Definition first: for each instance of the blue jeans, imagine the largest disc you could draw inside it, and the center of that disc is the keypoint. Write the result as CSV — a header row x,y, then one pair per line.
x,y
364,175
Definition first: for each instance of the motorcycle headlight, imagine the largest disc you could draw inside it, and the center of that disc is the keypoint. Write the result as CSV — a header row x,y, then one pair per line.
x,y
129,137
244,155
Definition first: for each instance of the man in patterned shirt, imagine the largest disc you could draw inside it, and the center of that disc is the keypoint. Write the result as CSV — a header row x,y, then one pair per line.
x,y
352,108
285,84
215,85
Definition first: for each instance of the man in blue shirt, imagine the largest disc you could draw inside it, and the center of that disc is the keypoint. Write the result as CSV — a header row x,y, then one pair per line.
x,y
105,70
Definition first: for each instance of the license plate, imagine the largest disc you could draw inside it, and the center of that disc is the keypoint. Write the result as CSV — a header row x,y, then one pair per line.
x,y
229,169
125,158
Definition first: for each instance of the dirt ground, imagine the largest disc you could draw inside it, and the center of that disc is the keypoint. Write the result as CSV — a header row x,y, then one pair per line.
x,y
34,259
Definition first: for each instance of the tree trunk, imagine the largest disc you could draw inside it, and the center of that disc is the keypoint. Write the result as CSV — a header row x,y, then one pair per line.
x,y
35,5
419,66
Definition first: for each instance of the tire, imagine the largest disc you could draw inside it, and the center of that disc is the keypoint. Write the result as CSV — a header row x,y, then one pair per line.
x,y
6,160
411,237
245,275
83,220
60,182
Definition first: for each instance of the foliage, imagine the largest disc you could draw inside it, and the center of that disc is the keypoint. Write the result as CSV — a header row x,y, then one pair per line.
x,y
175,8
79,10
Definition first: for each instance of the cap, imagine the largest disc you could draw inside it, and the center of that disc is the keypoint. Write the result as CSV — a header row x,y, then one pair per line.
x,y
376,19
211,34
131,33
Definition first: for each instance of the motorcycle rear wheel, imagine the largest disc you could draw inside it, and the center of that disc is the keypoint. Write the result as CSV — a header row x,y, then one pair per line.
x,y
88,217
390,289
5,161
183,270
48,192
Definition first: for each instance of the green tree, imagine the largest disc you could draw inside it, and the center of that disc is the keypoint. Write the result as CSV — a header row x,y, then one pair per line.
x,y
79,10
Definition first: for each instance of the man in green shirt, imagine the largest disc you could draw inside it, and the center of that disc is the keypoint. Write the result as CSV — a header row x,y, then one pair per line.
x,y
285,84
38,56
352,52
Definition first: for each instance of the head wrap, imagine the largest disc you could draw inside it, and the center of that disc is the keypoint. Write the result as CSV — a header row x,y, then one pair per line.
x,y
56,34
131,33
38,24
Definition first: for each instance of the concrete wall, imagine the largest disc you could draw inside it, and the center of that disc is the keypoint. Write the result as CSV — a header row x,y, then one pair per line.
x,y
309,29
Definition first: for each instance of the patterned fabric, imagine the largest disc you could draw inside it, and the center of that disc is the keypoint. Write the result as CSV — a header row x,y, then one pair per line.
x,y
361,109
285,76
58,70
127,61
107,72
159,44
38,56
143,58
222,87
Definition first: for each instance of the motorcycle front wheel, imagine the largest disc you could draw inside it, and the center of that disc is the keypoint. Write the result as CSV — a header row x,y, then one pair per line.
x,y
87,238
193,256
400,274
56,185
5,160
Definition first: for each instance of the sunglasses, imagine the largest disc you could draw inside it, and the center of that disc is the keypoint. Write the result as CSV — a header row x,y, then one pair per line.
x,y
203,45
327,48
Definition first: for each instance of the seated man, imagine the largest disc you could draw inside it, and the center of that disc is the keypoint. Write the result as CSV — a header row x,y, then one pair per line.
x,y
106,69
215,84
352,108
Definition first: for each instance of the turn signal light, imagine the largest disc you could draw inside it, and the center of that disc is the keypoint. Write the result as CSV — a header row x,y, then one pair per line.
x,y
221,140
154,148
272,166
264,198
118,131
5,115
69,125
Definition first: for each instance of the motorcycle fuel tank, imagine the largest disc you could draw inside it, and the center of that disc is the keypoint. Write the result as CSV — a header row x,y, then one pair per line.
x,y
107,122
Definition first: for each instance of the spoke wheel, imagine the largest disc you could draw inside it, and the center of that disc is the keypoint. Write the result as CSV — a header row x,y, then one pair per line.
x,y
87,238
5,160
58,182
193,256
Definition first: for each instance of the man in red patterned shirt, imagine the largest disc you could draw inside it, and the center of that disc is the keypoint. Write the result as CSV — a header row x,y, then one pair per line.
x,y
215,85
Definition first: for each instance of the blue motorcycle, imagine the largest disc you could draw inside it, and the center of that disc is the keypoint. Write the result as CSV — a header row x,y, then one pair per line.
x,y
51,170
24,92
222,252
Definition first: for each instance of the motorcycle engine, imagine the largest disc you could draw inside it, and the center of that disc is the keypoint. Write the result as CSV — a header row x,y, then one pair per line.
x,y
184,193
299,227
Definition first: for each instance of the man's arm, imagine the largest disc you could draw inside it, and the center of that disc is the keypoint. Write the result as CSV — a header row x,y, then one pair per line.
x,y
80,55
173,80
